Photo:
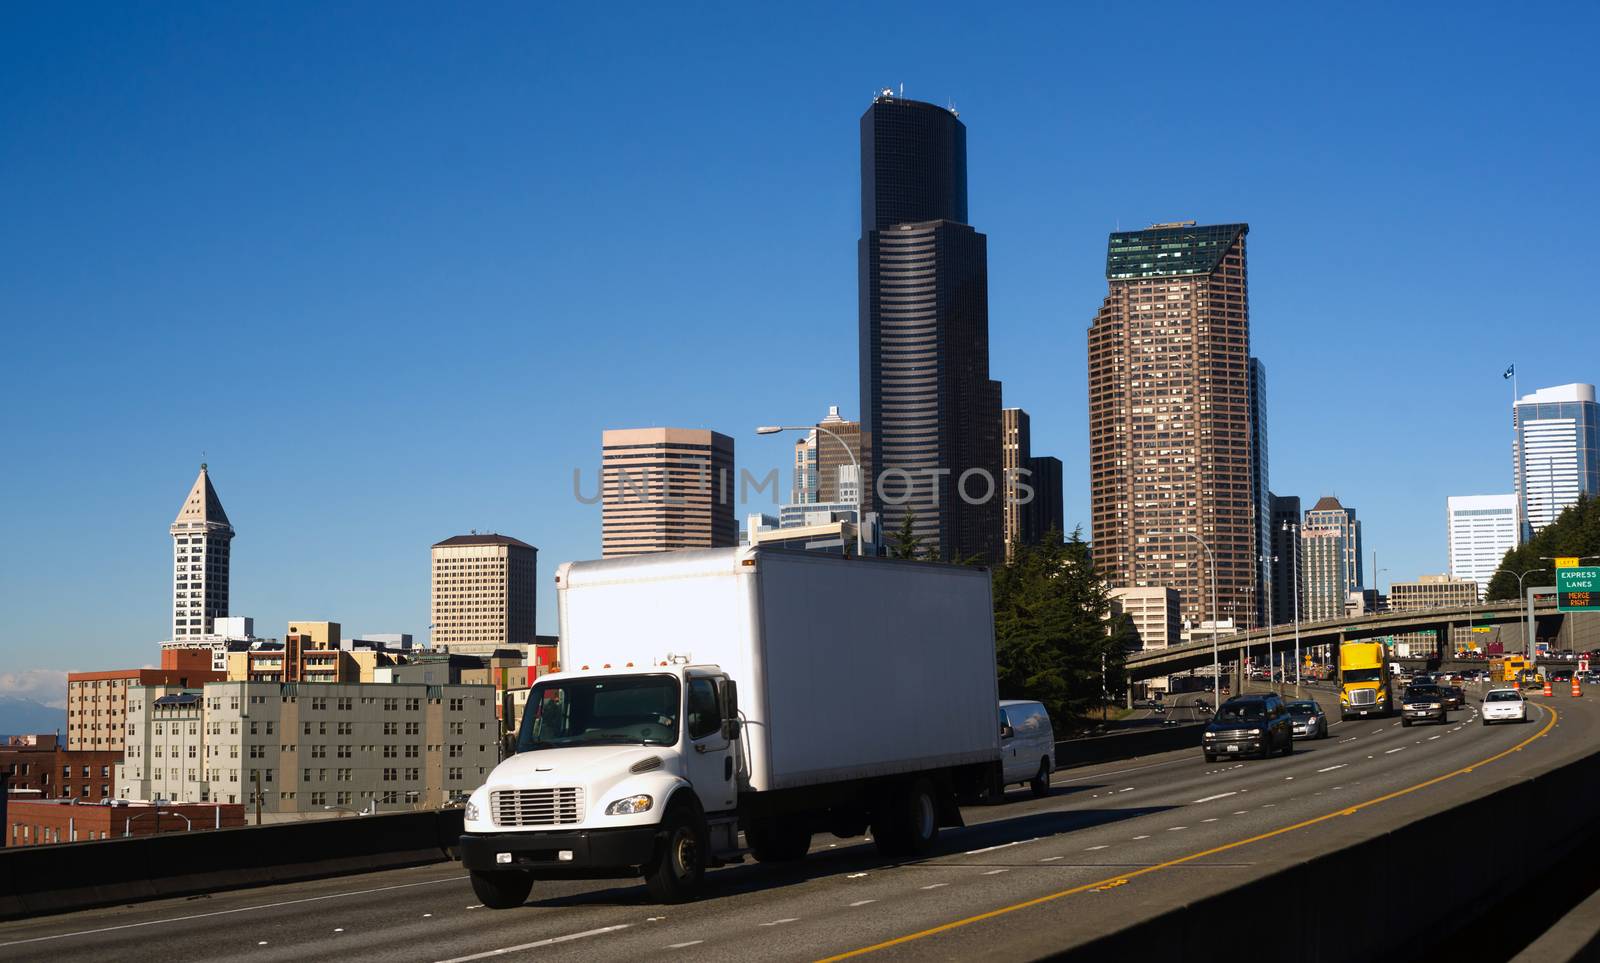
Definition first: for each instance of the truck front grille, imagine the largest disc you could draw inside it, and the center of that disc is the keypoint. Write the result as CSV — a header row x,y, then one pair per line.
x,y
536,807
1364,697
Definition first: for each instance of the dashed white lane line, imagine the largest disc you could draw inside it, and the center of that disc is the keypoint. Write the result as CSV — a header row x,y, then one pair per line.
x,y
1390,752
1211,820
935,885
1239,812
990,849
679,946
1351,739
863,902
1141,837
1431,738
229,912
1051,859
1173,829
537,943
1220,795
1089,850
1129,789
1332,768
995,872
786,919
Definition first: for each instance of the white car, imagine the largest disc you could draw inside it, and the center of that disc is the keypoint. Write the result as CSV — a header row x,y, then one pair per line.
x,y
1504,705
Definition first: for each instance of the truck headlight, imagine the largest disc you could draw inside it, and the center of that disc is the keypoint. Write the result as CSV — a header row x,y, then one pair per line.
x,y
630,806
1253,732
471,811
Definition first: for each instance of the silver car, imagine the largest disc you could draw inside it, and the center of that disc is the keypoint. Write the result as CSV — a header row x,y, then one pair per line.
x,y
1310,722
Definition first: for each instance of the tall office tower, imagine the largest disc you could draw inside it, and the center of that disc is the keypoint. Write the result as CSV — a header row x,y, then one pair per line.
x,y
928,406
1284,556
1557,451
839,452
1047,512
1330,553
1015,450
665,489
1483,528
1170,418
483,596
200,542
1261,496
804,491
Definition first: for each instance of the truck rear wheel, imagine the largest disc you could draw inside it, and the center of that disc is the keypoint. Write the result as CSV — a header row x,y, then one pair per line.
x,y
502,889
773,842
909,824
675,871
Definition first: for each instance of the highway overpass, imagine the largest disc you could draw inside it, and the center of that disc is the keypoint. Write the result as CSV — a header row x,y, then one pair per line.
x,y
1153,663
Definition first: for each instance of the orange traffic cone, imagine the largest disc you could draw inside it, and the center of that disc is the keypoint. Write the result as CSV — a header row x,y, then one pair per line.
x,y
1575,690
1516,684
1547,690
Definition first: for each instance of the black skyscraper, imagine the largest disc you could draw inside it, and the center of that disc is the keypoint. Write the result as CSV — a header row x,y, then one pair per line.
x,y
930,409
1285,557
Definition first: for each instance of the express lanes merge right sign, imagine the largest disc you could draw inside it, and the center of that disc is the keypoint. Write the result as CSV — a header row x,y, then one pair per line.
x,y
1578,589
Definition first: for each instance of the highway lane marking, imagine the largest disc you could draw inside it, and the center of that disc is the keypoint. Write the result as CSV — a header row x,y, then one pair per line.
x,y
1089,850
990,849
1173,829
1332,768
537,943
935,885
1211,820
1239,812
1431,738
1390,752
1119,880
863,902
1129,789
1220,795
994,872
679,946
1141,837
786,919
228,912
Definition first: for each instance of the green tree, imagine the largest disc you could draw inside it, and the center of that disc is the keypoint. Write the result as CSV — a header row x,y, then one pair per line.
x,y
1575,532
906,543
1053,628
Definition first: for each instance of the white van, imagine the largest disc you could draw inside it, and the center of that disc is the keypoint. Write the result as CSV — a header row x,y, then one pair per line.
x,y
1027,745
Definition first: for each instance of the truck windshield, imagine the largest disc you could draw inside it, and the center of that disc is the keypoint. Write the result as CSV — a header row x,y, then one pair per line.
x,y
604,711
1363,675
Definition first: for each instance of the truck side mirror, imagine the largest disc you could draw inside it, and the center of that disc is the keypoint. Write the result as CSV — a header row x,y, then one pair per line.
x,y
730,709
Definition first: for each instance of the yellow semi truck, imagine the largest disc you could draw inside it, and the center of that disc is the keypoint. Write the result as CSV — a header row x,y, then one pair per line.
x,y
1364,680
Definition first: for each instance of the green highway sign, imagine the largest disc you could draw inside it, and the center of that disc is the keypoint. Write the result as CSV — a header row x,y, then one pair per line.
x,y
1578,589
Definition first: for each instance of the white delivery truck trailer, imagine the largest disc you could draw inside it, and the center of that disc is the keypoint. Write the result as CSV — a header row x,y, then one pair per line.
x,y
777,692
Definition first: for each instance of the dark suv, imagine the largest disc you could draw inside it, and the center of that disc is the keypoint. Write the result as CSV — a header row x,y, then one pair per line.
x,y
1423,702
1246,724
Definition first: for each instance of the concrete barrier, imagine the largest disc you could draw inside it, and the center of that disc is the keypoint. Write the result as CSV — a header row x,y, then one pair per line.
x,y
1378,911
1127,745
35,880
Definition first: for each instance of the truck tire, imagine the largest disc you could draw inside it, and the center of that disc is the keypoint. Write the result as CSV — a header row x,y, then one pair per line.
x,y
501,889
1040,784
908,825
679,863
772,842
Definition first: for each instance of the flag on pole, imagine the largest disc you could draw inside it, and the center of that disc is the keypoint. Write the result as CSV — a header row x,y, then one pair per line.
x,y
1510,370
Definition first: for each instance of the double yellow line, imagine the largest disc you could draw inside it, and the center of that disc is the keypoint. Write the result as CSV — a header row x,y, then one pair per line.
x,y
1123,878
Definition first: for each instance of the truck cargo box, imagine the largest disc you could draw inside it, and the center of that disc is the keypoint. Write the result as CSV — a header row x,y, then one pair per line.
x,y
847,668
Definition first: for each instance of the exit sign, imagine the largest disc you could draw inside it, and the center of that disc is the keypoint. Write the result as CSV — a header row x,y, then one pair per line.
x,y
1578,589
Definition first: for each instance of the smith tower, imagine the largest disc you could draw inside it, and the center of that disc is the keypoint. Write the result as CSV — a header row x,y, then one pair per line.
x,y
930,412
200,537
1171,416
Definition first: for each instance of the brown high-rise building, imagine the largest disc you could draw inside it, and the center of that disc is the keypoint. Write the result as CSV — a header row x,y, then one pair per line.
x,y
483,600
1170,417
838,454
1016,446
665,489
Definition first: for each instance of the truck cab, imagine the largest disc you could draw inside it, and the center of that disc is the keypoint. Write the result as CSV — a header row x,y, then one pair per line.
x,y
1364,681
627,770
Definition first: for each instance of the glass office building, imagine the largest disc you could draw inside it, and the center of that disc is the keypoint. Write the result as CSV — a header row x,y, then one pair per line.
x,y
1556,454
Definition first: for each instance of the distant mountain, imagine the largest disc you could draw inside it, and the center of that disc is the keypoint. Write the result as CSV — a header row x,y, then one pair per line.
x,y
19,717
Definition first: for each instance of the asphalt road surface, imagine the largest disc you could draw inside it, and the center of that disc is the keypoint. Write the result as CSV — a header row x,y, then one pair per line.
x,y
1111,844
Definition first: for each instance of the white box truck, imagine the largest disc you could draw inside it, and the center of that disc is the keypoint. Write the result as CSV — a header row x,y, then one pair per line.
x,y
777,692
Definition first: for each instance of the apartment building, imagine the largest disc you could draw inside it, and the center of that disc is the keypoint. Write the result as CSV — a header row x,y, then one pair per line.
x,y
97,702
306,746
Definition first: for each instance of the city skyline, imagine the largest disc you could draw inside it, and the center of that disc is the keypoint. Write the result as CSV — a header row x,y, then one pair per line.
x,y
351,269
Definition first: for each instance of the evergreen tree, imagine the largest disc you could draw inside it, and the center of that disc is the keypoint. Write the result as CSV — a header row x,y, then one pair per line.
x,y
906,543
1053,627
1575,532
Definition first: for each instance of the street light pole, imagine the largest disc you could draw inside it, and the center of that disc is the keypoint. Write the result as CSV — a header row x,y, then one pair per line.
x,y
1216,658
1293,528
1528,641
861,482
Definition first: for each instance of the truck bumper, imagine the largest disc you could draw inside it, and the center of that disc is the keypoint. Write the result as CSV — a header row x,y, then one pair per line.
x,y
587,851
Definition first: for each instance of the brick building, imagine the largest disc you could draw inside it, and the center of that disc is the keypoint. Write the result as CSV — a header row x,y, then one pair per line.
x,y
97,702
37,823
40,765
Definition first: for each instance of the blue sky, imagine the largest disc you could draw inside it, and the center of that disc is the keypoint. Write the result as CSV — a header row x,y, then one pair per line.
x,y
393,269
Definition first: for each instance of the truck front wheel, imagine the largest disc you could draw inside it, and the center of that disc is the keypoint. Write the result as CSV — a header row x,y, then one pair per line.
x,y
909,824
503,889
674,872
